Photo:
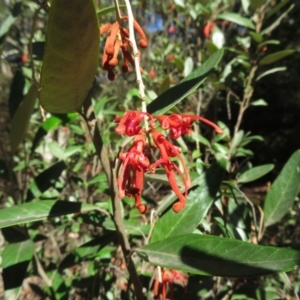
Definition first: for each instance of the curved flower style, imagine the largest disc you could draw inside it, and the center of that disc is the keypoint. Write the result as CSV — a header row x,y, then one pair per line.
x,y
181,124
168,150
118,38
168,277
135,162
131,178
130,123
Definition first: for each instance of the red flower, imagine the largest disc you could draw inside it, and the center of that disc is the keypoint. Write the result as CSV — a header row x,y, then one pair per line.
x,y
181,124
130,123
118,38
168,150
131,178
168,277
208,29
135,161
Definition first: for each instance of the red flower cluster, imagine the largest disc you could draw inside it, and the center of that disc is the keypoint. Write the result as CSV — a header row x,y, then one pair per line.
x,y
138,159
118,38
168,277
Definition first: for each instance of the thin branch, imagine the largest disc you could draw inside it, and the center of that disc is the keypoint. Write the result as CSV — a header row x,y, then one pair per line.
x,y
34,20
41,271
88,115
136,56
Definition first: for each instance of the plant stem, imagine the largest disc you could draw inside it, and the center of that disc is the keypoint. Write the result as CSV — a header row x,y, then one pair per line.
x,y
89,116
248,92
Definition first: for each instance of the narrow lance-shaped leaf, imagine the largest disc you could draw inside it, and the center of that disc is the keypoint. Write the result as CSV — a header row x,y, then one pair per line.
x,y
16,92
271,71
40,210
278,21
283,191
255,173
71,55
21,118
271,58
198,203
174,95
216,256
236,18
10,20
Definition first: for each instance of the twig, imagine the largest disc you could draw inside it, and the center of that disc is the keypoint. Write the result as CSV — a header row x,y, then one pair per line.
x,y
88,115
34,19
135,50
41,271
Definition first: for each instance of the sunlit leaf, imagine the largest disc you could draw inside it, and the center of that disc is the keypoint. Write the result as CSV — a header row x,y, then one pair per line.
x,y
274,70
40,210
174,95
198,202
283,191
236,18
216,256
180,3
259,102
188,66
255,173
15,260
71,55
10,19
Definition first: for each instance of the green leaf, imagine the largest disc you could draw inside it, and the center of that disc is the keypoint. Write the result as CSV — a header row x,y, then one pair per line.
x,y
271,71
269,59
268,42
215,256
278,21
40,210
259,102
56,150
16,94
283,191
164,86
86,251
106,10
236,18
255,173
198,202
180,3
60,287
256,4
71,55
10,20
276,8
45,180
256,37
15,260
21,118
174,95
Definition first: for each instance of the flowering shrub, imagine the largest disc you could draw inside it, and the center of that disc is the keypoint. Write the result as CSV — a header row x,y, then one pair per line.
x,y
114,186
136,161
